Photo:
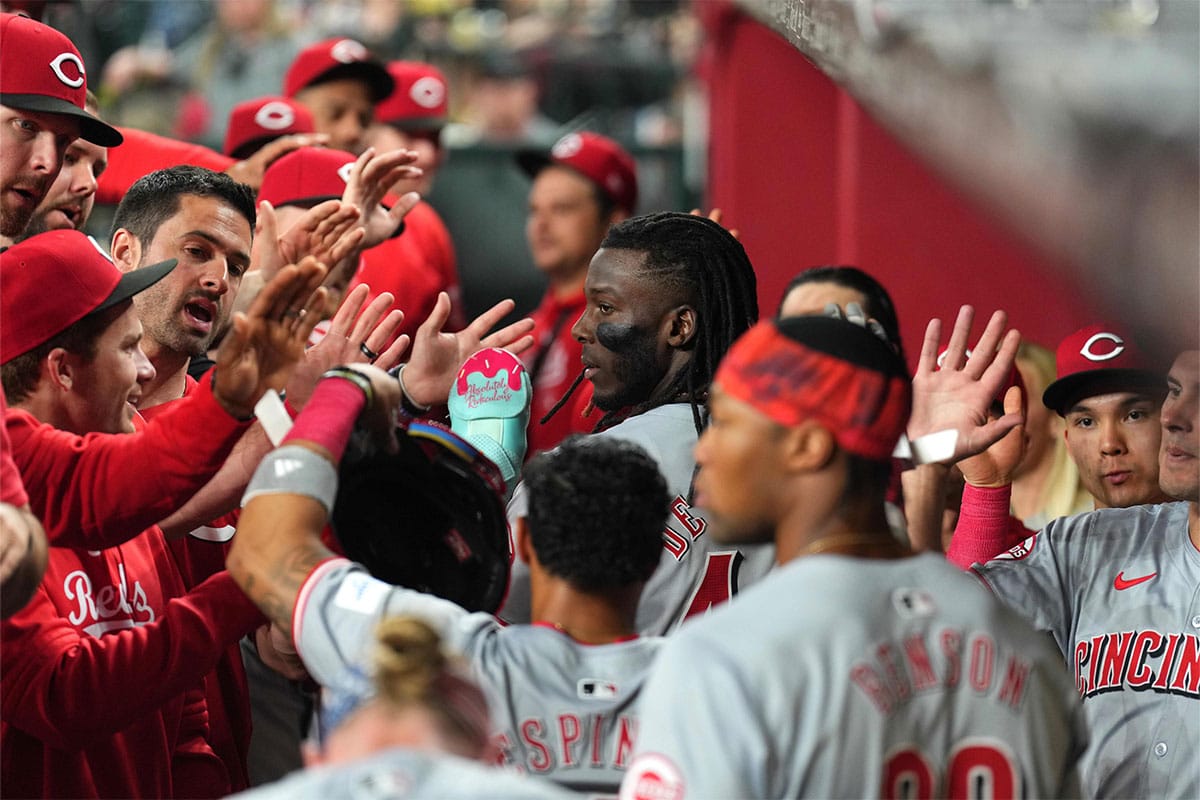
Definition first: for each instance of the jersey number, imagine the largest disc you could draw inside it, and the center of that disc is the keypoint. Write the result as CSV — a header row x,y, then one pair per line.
x,y
978,770
719,582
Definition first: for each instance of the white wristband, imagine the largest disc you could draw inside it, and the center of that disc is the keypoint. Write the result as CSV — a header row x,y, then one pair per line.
x,y
932,448
294,470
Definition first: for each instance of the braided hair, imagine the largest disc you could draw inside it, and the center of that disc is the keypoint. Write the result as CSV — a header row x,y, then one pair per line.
x,y
700,262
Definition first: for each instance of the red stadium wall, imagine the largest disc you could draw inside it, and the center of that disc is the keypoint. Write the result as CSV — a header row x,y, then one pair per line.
x,y
806,176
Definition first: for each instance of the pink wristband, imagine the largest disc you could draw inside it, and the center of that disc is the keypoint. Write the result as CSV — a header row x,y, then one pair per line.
x,y
328,416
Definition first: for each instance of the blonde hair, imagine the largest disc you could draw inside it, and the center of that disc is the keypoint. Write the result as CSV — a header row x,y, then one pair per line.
x,y
1062,493
413,670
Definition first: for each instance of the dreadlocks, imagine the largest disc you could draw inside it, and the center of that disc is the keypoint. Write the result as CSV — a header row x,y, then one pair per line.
x,y
698,261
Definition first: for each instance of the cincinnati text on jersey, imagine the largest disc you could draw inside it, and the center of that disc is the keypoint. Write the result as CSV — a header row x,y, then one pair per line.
x,y
1138,660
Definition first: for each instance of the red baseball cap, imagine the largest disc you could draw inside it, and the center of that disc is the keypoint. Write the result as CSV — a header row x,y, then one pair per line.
x,y
40,70
1099,359
306,175
595,157
334,59
254,123
53,280
421,98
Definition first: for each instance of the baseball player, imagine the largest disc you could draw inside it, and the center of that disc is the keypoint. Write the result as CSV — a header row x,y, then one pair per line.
x,y
1108,398
584,185
1117,589
563,688
666,296
856,669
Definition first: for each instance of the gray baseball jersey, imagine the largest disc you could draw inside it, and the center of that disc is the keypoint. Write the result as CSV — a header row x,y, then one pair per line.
x,y
695,573
395,774
846,677
560,709
1119,589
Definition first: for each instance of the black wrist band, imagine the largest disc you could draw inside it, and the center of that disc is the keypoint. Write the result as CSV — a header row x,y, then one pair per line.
x,y
355,377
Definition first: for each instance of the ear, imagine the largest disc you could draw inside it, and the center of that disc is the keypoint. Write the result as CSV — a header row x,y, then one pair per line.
x,y
682,330
58,369
809,447
524,545
126,250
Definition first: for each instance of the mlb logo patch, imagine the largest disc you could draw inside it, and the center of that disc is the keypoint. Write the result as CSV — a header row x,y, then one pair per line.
x,y
1020,551
596,689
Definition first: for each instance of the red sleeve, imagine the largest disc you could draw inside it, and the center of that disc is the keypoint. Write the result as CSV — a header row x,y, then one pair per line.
x,y
142,153
985,527
194,763
69,689
99,490
12,490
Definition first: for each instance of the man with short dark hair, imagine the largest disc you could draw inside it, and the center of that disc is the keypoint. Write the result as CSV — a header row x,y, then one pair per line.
x,y
562,689
204,219
43,90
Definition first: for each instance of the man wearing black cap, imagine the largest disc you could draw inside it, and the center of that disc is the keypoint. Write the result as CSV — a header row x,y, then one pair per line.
x,y
43,88
111,646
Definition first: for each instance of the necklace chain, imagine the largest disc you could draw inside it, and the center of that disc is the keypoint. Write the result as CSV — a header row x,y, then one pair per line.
x,y
847,540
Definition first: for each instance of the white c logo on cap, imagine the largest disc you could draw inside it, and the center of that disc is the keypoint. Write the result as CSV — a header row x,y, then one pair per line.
x,y
344,171
567,146
68,58
1086,350
275,116
348,51
428,92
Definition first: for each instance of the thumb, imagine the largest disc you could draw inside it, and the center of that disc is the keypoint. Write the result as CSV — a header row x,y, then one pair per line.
x,y
405,204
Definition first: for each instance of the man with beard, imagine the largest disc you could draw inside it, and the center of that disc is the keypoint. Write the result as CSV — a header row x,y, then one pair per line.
x,y
43,88
205,219
666,294
72,196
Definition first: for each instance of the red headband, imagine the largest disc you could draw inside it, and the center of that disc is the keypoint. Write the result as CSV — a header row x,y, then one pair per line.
x,y
866,410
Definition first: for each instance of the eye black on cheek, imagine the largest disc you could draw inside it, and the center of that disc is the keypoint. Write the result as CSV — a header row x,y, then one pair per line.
x,y
618,337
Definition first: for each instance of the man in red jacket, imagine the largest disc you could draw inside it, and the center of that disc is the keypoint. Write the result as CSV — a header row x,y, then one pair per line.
x,y
42,95
101,693
345,88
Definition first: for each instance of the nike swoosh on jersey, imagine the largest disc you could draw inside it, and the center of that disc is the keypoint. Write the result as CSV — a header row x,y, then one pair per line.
x,y
1120,583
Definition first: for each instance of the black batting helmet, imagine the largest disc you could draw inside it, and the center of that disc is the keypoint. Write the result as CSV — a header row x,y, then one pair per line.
x,y
430,517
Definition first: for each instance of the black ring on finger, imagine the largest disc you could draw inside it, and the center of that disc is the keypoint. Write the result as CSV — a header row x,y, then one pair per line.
x,y
368,352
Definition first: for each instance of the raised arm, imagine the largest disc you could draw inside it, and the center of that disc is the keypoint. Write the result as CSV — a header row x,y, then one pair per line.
x,y
99,490
278,543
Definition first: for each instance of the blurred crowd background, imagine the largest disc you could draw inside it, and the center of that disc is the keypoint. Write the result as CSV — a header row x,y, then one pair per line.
x,y
521,72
